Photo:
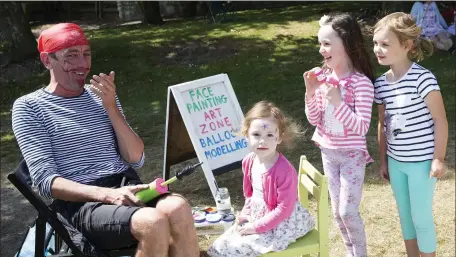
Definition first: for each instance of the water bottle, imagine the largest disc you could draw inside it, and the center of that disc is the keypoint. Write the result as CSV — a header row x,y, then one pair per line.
x,y
223,201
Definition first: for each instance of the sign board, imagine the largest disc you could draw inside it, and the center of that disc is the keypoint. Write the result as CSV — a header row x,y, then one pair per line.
x,y
203,120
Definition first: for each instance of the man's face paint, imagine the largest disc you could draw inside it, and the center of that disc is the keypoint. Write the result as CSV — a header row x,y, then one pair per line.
x,y
71,66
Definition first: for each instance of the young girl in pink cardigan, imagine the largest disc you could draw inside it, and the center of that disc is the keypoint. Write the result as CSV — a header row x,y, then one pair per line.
x,y
272,216
340,108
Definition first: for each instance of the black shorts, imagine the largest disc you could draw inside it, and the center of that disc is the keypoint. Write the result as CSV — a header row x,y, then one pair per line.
x,y
106,226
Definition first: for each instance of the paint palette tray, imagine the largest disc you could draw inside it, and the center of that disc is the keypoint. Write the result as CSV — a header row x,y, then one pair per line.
x,y
207,218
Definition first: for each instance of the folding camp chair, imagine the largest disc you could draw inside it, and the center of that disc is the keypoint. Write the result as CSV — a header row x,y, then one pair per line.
x,y
64,247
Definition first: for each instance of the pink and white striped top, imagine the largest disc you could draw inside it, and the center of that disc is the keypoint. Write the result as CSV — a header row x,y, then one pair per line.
x,y
344,126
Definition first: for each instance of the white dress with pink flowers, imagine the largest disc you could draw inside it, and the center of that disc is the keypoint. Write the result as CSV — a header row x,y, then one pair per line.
x,y
232,244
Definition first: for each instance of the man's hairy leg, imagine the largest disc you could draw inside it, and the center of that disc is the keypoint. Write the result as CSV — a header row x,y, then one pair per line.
x,y
184,241
151,228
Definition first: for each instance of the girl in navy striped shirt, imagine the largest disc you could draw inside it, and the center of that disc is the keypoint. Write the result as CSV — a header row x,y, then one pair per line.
x,y
412,128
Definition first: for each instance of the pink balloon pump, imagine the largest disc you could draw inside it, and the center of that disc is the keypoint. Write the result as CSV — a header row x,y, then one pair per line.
x,y
159,186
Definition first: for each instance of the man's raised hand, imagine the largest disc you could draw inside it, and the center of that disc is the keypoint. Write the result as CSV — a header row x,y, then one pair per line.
x,y
103,86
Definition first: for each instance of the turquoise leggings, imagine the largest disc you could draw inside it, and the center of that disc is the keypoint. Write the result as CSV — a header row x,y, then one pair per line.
x,y
414,190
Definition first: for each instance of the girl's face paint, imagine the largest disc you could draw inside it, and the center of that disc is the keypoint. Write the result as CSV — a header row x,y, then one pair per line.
x,y
263,137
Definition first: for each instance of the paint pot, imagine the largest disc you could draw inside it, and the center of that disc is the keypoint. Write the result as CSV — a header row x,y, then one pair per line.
x,y
229,217
199,216
211,210
213,218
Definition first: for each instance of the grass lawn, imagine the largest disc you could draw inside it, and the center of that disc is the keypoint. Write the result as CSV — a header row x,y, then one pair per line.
x,y
264,53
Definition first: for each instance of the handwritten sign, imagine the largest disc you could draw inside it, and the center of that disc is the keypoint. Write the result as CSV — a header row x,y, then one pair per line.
x,y
213,118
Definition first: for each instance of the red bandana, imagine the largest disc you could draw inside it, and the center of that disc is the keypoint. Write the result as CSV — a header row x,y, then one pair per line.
x,y
61,36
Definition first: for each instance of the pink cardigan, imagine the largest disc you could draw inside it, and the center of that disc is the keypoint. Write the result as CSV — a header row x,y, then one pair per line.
x,y
279,192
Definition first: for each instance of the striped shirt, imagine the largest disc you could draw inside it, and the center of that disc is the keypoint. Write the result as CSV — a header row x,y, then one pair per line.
x,y
408,126
345,126
71,138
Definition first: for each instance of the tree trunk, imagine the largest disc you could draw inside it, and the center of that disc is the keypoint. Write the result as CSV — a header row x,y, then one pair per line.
x,y
17,42
151,12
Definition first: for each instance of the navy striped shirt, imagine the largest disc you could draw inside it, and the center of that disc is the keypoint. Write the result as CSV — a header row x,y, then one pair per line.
x,y
71,138
409,127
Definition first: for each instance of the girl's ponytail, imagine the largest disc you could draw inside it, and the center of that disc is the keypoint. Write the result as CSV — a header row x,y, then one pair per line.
x,y
421,46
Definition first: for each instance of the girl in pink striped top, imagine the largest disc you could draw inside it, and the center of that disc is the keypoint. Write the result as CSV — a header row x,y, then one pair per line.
x,y
338,102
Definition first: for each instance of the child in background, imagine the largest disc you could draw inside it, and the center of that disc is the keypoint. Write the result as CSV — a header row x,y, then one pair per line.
x,y
272,216
341,109
427,16
412,128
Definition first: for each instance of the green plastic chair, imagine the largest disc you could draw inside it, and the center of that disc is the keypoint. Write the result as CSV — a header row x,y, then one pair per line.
x,y
316,241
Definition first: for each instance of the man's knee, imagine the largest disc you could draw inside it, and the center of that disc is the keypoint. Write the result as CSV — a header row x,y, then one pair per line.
x,y
148,222
175,206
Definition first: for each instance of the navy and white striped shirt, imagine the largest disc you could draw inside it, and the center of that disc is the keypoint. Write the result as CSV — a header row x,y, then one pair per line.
x,y
71,138
409,126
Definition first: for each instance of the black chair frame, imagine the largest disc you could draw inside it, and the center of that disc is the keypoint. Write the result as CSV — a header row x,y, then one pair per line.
x,y
64,247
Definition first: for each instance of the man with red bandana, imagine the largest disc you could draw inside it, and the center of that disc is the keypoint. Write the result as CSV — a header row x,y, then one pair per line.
x,y
79,148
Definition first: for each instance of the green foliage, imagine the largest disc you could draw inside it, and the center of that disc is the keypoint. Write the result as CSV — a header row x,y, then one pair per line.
x,y
4,46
